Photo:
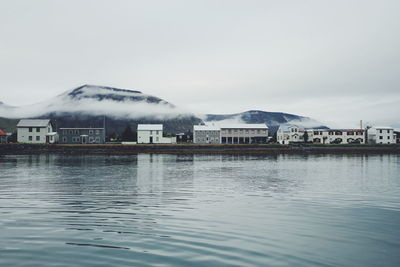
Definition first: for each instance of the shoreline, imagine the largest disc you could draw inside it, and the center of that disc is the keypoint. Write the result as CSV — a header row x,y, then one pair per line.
x,y
119,149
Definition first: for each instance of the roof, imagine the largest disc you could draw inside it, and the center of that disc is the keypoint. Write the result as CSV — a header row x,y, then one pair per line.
x,y
150,127
286,127
78,128
383,127
2,133
244,126
206,128
33,123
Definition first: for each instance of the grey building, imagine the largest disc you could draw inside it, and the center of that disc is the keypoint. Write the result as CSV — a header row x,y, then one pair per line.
x,y
81,135
206,134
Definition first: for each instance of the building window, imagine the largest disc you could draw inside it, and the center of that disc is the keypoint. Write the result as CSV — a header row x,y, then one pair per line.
x,y
380,131
71,131
30,138
37,138
38,130
97,132
76,131
151,132
97,139
30,129
90,131
64,139
388,131
380,137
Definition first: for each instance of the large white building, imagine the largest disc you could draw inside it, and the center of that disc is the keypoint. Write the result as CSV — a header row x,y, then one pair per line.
x,y
336,136
244,133
35,131
153,134
230,134
381,135
292,133
206,134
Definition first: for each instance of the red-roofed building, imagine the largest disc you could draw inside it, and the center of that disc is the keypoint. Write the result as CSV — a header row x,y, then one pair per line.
x,y
3,136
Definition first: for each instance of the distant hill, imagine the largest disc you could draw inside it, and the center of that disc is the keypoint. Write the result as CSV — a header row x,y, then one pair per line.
x,y
8,125
272,119
91,105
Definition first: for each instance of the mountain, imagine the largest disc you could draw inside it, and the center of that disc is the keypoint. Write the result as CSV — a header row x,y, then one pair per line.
x,y
272,119
91,106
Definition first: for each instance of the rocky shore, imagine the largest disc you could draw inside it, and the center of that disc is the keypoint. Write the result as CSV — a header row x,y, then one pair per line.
x,y
118,149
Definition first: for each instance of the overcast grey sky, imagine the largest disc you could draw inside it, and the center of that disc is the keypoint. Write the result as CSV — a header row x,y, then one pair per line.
x,y
335,61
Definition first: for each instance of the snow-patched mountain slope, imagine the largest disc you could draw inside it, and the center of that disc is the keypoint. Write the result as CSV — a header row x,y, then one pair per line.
x,y
272,119
98,100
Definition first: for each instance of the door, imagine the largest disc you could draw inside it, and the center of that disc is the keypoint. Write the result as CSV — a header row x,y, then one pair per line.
x,y
84,139
151,139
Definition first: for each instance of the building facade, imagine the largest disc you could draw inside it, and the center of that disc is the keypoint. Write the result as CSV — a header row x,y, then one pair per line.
x,y
381,135
336,136
244,133
35,131
288,133
206,134
81,136
153,134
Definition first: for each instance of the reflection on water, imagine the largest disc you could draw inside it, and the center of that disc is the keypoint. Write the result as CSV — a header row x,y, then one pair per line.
x,y
185,210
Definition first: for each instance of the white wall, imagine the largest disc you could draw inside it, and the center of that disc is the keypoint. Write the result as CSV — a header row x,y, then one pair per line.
x,y
386,137
23,135
144,137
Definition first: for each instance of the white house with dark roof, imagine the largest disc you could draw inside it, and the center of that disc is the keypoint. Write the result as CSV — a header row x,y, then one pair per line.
x,y
153,134
35,131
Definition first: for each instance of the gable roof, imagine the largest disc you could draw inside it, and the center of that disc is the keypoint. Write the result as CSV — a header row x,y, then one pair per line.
x,y
33,123
150,127
2,133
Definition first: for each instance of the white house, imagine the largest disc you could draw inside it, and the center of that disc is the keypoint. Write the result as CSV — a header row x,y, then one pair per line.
x,y
206,134
381,135
35,131
152,134
288,133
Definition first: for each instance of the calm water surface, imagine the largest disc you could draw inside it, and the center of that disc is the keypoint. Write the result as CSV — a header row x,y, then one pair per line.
x,y
200,210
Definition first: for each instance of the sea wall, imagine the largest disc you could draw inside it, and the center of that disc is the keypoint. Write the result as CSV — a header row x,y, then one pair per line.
x,y
119,149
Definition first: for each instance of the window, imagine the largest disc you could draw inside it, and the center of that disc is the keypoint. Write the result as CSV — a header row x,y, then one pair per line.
x,y
380,131
38,130
97,132
151,132
157,139
30,129
388,131
97,139
64,139
71,131
380,137
37,138
388,137
30,138
76,131
90,131
78,139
